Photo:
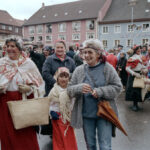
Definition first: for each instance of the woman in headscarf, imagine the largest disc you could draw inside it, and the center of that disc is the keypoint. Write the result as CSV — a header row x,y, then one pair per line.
x,y
90,83
135,67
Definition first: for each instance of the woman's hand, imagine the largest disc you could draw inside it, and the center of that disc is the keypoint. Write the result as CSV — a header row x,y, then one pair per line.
x,y
2,89
24,88
137,75
86,88
94,93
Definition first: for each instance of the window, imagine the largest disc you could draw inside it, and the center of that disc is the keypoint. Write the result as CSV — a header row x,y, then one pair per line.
x,y
76,37
62,37
39,38
145,41
130,28
105,29
105,43
31,30
39,29
129,43
31,38
62,27
10,28
145,27
16,30
90,36
76,26
3,27
117,29
117,42
90,25
49,38
48,28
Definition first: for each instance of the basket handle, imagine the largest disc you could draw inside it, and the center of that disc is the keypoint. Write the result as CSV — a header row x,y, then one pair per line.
x,y
35,93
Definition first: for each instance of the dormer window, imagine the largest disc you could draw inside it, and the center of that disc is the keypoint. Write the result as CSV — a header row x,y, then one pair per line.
x,y
80,11
66,13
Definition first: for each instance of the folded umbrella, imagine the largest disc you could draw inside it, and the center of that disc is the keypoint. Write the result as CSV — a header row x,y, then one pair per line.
x,y
106,112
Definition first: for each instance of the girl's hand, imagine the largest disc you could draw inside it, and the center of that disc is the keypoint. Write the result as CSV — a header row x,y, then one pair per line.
x,y
86,88
94,93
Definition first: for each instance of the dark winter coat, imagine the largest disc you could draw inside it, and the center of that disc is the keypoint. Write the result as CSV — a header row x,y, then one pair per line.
x,y
51,65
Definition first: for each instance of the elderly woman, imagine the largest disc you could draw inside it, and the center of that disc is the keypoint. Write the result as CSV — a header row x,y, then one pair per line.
x,y
17,75
90,83
135,68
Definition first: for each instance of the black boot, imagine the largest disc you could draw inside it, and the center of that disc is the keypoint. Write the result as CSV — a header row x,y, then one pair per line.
x,y
135,106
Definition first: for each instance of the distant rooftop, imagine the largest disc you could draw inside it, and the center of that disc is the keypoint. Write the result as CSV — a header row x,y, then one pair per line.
x,y
78,10
6,18
121,11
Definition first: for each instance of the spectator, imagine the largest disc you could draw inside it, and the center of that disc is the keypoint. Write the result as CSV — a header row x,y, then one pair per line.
x,y
71,52
53,62
111,58
39,58
91,83
121,69
78,57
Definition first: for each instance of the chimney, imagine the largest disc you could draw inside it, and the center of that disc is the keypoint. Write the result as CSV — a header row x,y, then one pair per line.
x,y
43,5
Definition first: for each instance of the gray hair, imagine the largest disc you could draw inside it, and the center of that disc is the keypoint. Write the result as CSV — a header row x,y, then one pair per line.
x,y
18,43
94,44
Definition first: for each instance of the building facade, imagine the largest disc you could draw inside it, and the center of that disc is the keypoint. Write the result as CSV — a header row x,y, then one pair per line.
x,y
9,27
126,25
72,22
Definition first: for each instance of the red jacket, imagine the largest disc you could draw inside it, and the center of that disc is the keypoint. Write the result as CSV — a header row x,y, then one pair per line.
x,y
112,59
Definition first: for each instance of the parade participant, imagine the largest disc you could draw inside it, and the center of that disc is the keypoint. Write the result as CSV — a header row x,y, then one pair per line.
x,y
134,68
60,111
17,72
90,83
53,62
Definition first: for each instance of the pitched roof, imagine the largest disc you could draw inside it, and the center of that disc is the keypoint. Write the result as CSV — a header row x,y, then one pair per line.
x,y
6,18
20,22
84,9
121,11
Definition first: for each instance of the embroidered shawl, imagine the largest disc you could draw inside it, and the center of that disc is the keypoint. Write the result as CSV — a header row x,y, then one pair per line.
x,y
25,67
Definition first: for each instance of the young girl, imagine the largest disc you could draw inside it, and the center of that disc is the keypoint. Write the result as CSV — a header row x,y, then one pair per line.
x,y
60,112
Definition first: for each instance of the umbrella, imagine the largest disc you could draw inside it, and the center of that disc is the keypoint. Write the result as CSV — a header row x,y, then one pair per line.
x,y
106,112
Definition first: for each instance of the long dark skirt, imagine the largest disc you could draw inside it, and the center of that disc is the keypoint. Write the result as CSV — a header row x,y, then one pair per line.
x,y
132,94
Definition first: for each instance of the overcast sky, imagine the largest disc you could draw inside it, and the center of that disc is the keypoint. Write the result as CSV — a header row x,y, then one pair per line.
x,y
24,9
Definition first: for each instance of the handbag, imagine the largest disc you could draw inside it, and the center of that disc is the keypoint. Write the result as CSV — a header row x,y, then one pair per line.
x,y
31,112
138,82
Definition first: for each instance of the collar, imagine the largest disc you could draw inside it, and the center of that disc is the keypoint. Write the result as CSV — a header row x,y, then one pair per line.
x,y
57,58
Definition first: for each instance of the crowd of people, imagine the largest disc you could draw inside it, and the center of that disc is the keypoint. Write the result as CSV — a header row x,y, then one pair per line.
x,y
75,82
